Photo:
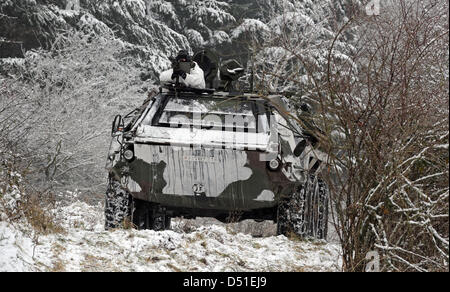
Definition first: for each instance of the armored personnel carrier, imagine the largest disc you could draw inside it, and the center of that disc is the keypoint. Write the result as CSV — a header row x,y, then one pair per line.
x,y
206,153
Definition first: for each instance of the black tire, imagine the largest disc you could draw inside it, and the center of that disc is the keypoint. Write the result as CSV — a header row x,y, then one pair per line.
x,y
117,205
146,215
305,213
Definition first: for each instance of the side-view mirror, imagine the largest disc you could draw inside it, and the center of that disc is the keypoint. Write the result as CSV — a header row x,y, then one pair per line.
x,y
117,125
301,146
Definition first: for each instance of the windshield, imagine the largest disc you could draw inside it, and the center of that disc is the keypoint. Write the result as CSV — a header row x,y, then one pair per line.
x,y
231,114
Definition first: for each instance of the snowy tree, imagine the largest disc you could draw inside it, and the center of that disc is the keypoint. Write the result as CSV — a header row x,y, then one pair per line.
x,y
291,48
380,96
58,105
384,118
203,22
37,24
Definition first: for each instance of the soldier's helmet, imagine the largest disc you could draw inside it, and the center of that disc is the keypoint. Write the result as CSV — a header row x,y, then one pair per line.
x,y
183,56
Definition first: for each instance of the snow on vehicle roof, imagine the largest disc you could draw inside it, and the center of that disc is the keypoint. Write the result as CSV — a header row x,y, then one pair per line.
x,y
198,93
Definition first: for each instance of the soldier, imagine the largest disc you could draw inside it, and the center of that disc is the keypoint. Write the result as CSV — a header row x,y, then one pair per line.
x,y
184,71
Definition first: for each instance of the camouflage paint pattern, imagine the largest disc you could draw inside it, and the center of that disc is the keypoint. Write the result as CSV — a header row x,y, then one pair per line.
x,y
208,178
232,180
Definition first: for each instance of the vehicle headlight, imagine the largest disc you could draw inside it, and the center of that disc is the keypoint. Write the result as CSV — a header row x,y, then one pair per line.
x,y
274,164
128,154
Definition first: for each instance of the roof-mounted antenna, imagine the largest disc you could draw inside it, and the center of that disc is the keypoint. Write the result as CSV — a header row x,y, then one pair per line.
x,y
252,73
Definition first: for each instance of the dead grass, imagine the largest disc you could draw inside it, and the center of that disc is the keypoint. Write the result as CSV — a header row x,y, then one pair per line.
x,y
95,263
174,268
38,216
186,226
200,236
256,245
224,255
292,236
58,266
128,224
230,230
153,259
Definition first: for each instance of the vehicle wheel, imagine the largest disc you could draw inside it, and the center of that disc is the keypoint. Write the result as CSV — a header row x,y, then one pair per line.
x,y
146,215
117,205
305,213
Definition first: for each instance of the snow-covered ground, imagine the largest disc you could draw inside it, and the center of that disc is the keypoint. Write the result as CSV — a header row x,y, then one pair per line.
x,y
86,246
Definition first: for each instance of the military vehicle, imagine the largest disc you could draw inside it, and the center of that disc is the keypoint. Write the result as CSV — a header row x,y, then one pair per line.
x,y
224,154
